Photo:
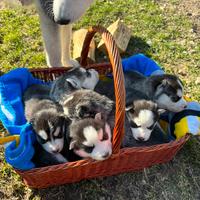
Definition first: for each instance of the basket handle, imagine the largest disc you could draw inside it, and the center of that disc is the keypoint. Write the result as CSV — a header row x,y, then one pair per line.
x,y
118,76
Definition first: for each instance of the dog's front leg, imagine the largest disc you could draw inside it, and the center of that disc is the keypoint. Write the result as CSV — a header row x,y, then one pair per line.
x,y
51,38
66,35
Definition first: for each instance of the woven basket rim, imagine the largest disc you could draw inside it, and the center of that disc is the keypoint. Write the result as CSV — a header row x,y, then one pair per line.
x,y
127,150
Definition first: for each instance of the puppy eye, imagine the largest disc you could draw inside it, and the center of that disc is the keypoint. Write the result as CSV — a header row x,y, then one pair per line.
x,y
88,73
131,111
134,125
151,127
88,149
60,135
175,98
41,140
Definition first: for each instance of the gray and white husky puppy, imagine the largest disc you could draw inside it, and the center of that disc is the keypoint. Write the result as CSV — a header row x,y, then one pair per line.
x,y
87,103
72,80
47,119
166,89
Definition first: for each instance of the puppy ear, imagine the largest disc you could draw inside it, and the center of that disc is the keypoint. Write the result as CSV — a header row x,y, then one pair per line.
x,y
98,116
160,85
108,131
100,134
73,83
72,144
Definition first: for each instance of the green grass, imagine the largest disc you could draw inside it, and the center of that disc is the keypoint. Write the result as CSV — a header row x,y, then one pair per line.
x,y
161,32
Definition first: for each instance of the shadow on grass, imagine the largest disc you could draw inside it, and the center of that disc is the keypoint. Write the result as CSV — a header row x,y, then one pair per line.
x,y
136,45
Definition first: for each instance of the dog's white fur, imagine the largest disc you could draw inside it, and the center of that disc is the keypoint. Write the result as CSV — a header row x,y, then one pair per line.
x,y
145,119
165,102
57,38
102,148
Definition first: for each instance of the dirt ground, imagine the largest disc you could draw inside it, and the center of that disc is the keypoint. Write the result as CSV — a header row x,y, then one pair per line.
x,y
190,8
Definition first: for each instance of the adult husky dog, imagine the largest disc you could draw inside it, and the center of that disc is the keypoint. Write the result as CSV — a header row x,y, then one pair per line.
x,y
56,17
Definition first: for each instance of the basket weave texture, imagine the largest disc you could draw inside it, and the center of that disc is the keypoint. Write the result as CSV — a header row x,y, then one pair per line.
x,y
122,160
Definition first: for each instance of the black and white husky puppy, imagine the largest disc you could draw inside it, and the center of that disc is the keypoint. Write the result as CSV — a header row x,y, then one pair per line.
x,y
166,90
91,138
74,79
47,119
143,115
158,136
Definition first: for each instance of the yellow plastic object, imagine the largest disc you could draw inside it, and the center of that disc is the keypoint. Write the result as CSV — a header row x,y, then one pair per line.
x,y
188,124
9,138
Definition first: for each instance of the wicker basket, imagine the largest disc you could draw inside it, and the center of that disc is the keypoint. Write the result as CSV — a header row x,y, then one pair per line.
x,y
122,160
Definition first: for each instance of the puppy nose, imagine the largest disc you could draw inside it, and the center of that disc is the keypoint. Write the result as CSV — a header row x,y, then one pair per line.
x,y
55,150
141,139
105,155
62,21
185,106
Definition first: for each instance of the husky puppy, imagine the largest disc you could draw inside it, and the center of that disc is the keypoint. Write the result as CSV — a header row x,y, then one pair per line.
x,y
166,90
86,104
157,137
43,158
91,138
142,114
47,119
74,79
56,17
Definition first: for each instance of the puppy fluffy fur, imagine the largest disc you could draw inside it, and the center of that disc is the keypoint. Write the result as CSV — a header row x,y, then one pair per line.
x,y
87,103
166,89
48,122
72,80
157,137
91,137
36,98
137,101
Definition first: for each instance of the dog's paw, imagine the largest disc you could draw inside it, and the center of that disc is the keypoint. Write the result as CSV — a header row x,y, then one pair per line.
x,y
71,63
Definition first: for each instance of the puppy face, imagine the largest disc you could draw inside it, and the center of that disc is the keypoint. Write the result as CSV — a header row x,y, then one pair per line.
x,y
91,79
170,94
65,11
50,129
82,78
143,116
91,139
